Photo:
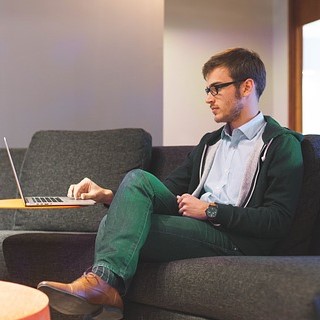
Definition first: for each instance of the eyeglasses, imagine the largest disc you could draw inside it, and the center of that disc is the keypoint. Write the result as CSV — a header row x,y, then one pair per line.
x,y
214,88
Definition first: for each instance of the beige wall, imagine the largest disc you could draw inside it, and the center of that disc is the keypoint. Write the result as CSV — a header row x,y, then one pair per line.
x,y
101,64
194,30
80,65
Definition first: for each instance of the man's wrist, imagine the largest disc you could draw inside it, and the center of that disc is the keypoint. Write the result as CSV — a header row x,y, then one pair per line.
x,y
108,197
212,211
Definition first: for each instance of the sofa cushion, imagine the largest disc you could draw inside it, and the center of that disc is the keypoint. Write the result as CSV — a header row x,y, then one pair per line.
x,y
230,288
55,159
32,257
135,311
165,159
8,186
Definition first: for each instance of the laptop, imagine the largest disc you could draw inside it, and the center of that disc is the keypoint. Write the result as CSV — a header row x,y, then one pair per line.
x,y
32,201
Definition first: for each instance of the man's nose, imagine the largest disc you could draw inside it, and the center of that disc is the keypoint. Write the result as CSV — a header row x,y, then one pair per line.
x,y
209,98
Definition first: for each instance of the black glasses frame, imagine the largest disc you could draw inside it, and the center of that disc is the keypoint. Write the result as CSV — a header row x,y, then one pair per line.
x,y
217,87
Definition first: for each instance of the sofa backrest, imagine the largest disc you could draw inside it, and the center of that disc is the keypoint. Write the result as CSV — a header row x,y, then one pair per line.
x,y
55,159
166,159
8,187
163,161
303,238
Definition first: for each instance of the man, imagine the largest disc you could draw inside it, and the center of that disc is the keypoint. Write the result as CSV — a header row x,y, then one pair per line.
x,y
235,194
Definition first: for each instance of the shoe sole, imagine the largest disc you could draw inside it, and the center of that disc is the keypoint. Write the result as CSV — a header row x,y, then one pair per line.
x,y
69,304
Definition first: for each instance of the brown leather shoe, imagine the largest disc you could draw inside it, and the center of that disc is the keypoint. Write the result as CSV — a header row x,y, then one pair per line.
x,y
86,295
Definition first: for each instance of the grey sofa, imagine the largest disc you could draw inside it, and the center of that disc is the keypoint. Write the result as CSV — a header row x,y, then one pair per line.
x,y
59,244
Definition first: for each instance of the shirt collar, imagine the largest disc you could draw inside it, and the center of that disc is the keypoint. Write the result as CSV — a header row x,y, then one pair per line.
x,y
249,129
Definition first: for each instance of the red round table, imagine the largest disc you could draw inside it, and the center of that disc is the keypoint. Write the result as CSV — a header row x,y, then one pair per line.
x,y
22,302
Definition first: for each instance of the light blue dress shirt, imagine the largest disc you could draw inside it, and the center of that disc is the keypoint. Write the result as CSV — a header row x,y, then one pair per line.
x,y
228,167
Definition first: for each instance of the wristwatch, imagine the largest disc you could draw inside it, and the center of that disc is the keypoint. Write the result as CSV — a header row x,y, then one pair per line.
x,y
212,211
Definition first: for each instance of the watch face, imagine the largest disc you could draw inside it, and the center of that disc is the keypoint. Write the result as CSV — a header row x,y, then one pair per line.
x,y
212,211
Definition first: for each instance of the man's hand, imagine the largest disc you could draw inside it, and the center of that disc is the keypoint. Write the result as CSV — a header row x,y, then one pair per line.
x,y
87,189
190,206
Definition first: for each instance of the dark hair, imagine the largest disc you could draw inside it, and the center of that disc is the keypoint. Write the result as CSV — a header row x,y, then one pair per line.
x,y
242,64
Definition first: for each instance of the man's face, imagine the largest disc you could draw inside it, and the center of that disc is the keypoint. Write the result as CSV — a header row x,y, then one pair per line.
x,y
227,105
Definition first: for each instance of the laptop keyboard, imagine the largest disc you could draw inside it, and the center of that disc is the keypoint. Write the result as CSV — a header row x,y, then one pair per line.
x,y
46,199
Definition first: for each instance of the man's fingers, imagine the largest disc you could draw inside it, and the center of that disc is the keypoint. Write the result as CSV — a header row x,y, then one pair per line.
x,y
70,191
86,196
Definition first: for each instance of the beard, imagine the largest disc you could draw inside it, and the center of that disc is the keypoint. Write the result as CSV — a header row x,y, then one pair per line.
x,y
234,111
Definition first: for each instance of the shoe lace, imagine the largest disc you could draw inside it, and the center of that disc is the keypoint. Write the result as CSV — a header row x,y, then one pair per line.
x,y
91,277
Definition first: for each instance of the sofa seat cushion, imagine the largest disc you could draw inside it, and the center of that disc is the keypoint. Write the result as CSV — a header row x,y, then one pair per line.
x,y
8,234
32,256
133,311
55,159
230,288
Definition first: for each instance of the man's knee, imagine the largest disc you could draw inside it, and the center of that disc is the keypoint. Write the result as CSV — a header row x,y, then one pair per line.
x,y
140,178
137,177
135,174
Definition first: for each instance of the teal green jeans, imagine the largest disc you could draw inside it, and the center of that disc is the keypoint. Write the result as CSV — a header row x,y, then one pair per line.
x,y
143,222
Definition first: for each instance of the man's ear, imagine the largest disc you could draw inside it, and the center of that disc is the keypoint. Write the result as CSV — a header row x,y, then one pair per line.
x,y
247,87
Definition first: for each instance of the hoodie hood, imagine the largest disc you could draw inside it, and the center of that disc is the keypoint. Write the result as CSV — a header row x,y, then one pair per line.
x,y
273,130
